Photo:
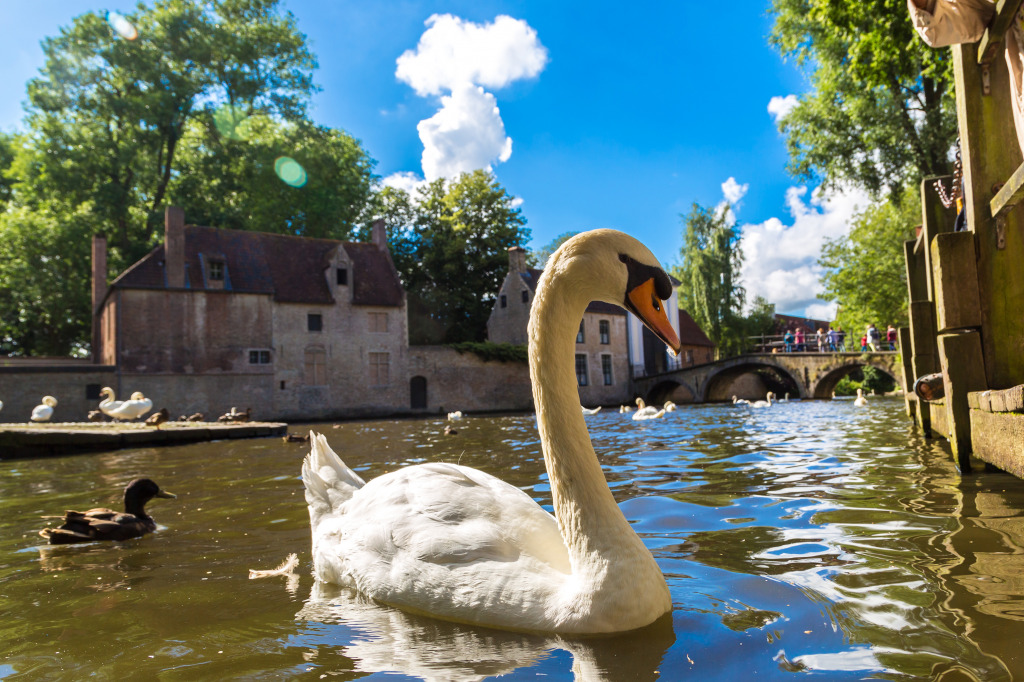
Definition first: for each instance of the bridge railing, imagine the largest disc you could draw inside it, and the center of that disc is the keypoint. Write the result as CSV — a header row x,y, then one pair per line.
x,y
768,343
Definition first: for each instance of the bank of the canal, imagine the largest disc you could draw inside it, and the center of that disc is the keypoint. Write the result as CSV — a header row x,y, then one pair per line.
x,y
41,440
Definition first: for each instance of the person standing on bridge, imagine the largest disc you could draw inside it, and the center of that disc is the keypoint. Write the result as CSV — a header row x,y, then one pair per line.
x,y
820,338
800,340
787,339
890,337
840,339
831,340
874,338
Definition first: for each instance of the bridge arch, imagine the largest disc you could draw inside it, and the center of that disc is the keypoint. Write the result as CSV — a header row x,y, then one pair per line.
x,y
829,376
671,389
778,379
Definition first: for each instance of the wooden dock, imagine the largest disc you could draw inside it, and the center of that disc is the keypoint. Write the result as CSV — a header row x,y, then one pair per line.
x,y
41,440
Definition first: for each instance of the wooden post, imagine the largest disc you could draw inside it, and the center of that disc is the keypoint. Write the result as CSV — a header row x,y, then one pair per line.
x,y
963,371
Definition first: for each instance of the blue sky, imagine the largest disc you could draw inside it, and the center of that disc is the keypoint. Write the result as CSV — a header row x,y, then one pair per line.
x,y
608,115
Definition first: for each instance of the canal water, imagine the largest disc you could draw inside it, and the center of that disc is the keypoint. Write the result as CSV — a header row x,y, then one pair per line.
x,y
811,539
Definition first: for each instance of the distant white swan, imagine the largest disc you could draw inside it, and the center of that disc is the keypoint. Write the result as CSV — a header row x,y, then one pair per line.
x,y
587,410
860,400
126,410
784,399
625,409
42,413
456,543
669,406
645,411
764,403
739,401
452,416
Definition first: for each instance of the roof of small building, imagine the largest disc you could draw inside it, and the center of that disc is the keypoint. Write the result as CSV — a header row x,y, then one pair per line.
x,y
289,268
690,333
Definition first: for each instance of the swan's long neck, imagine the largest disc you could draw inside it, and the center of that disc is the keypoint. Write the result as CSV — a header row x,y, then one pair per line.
x,y
590,521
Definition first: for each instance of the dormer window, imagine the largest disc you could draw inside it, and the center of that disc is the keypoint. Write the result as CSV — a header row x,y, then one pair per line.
x,y
342,274
526,296
216,271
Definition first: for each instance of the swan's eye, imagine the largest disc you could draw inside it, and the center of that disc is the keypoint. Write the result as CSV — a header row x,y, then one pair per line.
x,y
655,303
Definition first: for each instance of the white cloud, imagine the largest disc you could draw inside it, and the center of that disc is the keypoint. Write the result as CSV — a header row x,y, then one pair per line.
x,y
822,311
779,107
408,182
466,134
732,193
462,58
453,51
780,260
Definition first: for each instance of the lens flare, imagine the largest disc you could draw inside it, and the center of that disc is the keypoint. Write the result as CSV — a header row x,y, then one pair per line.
x,y
122,26
231,122
290,172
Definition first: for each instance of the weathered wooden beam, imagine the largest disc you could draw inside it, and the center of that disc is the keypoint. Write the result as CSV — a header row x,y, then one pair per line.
x,y
998,439
955,270
935,219
963,371
1009,195
988,47
917,277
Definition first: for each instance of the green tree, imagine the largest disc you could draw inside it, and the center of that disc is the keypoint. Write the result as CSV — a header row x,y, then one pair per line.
x,y
881,113
231,177
864,271
537,259
710,288
451,252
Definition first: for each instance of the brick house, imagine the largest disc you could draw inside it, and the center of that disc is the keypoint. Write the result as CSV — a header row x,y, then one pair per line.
x,y
610,346
697,348
296,328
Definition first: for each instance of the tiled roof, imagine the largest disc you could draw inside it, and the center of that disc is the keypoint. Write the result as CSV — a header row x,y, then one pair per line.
x,y
690,334
291,269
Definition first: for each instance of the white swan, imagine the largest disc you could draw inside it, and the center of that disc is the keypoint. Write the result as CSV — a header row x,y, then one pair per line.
x,y
784,399
739,401
860,400
456,543
127,410
669,406
645,411
452,416
625,409
110,402
764,403
594,410
42,413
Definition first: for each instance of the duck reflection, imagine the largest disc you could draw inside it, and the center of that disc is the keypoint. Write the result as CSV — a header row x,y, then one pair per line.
x,y
387,639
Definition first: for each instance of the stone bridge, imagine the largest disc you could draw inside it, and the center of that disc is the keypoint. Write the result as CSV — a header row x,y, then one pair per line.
x,y
807,375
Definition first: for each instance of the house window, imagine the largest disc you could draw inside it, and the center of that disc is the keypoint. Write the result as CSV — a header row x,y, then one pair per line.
x,y
526,296
605,330
581,369
342,277
316,367
378,323
606,369
216,270
689,357
259,357
504,301
378,369
314,322
580,338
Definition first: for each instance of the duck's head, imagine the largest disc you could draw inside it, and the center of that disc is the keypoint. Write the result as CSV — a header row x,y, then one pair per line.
x,y
139,492
615,268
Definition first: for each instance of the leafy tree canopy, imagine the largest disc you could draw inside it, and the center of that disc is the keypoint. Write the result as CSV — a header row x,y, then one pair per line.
x,y
880,114
537,259
450,246
865,270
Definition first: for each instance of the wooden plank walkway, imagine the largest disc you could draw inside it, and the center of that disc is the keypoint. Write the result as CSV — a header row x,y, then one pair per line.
x,y
41,440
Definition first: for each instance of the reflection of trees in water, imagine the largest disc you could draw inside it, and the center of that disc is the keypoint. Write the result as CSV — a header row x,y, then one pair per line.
x,y
387,639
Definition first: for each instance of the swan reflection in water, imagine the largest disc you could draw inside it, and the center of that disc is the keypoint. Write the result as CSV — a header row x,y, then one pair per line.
x,y
387,639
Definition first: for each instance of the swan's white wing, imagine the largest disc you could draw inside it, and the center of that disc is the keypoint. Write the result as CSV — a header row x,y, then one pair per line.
x,y
444,539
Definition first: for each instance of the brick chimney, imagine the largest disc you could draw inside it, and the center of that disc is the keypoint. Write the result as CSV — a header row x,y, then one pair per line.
x,y
380,235
174,247
516,259
99,291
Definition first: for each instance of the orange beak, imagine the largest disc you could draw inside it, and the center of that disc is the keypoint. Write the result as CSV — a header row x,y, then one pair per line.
x,y
643,302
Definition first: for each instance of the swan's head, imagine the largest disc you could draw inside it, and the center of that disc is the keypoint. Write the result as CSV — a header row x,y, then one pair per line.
x,y
106,391
138,396
613,267
859,393
49,401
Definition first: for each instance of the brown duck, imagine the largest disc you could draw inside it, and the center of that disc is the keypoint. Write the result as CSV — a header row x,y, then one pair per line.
x,y
107,524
